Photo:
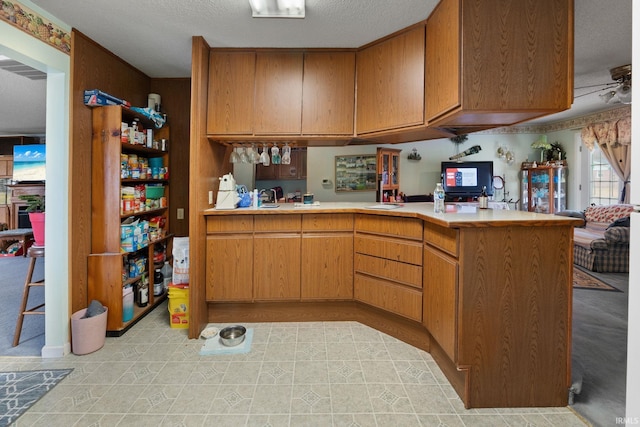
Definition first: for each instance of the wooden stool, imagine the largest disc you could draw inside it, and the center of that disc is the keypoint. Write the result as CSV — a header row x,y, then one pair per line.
x,y
34,252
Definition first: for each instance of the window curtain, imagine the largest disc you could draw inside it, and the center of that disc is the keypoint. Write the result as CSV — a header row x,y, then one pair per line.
x,y
614,139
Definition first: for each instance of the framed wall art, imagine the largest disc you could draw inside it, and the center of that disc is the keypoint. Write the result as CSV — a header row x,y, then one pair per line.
x,y
356,173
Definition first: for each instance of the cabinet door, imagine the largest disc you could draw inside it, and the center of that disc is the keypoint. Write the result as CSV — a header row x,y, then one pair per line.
x,y
471,83
297,169
517,76
266,173
541,189
6,167
440,294
524,190
390,83
560,189
4,215
328,267
443,59
389,170
328,93
276,274
278,99
229,268
231,87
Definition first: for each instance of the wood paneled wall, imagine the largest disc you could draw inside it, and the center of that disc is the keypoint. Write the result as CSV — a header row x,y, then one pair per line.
x,y
94,67
208,161
176,103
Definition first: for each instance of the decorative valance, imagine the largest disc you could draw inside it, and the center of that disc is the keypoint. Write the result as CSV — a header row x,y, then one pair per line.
x,y
614,140
611,134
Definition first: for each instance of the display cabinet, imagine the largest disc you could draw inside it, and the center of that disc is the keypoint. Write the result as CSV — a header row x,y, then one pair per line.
x,y
388,161
129,214
543,188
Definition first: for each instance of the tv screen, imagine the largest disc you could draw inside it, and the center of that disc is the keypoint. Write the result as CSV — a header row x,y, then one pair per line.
x,y
466,179
29,163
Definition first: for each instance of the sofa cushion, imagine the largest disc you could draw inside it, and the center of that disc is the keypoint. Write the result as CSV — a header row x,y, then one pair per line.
x,y
607,214
617,235
621,222
592,231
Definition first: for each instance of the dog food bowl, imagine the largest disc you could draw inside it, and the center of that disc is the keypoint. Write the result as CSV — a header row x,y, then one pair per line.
x,y
232,335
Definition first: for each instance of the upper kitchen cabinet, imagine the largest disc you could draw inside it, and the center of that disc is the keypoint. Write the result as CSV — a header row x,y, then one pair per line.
x,y
231,88
390,76
328,93
278,93
505,65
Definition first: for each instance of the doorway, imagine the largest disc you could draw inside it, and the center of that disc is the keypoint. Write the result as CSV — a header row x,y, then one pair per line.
x,y
22,47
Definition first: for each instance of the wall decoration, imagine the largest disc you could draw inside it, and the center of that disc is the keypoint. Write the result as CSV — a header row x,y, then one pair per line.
x,y
356,173
30,22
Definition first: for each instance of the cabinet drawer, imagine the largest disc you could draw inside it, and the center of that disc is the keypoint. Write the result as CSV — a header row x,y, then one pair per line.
x,y
271,223
442,238
398,299
391,249
410,228
395,271
230,224
327,222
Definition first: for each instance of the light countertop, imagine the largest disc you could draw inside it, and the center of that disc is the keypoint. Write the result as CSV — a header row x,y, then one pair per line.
x,y
456,215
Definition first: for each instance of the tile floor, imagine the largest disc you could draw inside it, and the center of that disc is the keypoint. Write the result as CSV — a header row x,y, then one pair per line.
x,y
297,374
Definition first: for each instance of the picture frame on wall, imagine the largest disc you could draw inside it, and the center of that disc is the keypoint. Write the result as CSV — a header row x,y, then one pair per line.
x,y
356,173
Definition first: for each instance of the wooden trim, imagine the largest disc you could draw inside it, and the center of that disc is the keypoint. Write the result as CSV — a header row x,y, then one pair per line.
x,y
406,330
205,159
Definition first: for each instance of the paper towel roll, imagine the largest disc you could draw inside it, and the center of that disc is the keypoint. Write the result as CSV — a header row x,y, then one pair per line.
x,y
154,101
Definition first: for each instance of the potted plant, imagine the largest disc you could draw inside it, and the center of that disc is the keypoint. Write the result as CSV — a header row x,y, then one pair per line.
x,y
36,208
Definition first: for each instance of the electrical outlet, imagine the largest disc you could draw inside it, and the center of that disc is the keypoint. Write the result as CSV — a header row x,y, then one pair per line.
x,y
180,213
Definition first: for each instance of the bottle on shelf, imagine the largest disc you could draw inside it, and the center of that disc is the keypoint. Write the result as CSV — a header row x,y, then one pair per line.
x,y
167,273
158,283
438,199
143,292
483,199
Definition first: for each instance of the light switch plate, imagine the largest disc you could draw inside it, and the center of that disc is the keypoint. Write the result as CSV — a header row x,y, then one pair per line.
x,y
180,213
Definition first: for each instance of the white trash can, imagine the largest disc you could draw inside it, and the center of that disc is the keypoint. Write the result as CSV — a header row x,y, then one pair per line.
x,y
88,334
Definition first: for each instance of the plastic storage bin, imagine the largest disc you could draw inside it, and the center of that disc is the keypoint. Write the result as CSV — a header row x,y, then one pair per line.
x,y
127,303
156,162
88,335
179,306
154,191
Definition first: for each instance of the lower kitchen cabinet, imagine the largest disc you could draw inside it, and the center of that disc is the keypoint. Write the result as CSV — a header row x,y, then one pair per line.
x,y
388,264
229,267
276,257
276,262
327,252
440,295
328,266
388,296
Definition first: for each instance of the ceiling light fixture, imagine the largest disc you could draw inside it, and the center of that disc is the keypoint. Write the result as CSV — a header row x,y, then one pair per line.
x,y
277,8
622,92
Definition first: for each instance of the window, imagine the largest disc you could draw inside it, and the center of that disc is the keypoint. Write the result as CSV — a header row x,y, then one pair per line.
x,y
604,184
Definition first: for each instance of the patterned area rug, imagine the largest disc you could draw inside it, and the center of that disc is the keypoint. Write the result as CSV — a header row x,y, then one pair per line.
x,y
19,390
583,280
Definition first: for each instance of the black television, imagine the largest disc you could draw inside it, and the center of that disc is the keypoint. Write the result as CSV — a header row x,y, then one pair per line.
x,y
464,180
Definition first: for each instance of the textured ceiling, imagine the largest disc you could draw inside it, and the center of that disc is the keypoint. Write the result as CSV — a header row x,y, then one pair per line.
x,y
155,35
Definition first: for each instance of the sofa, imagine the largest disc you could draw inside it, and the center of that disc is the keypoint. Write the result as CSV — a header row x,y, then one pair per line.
x,y
602,243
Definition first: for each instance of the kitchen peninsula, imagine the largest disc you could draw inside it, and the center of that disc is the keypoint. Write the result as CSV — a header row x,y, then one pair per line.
x,y
486,292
